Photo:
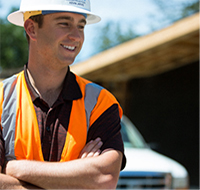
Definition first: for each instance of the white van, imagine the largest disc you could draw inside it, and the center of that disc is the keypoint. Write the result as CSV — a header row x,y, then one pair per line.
x,y
145,168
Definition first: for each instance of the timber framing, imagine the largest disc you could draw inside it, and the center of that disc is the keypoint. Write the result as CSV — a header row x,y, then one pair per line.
x,y
145,56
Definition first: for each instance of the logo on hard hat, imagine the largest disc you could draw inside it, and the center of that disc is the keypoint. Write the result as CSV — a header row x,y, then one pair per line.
x,y
78,3
35,7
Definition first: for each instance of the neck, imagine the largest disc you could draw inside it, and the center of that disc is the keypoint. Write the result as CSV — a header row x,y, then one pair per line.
x,y
48,83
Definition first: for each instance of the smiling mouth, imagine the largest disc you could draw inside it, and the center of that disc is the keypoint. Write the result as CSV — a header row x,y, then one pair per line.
x,y
71,48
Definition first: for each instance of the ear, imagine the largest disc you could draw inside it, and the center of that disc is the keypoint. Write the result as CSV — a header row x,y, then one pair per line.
x,y
31,29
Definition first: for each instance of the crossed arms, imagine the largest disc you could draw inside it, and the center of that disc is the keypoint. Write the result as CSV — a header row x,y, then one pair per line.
x,y
91,171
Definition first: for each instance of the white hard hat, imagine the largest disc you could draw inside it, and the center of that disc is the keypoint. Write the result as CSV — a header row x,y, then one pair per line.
x,y
35,7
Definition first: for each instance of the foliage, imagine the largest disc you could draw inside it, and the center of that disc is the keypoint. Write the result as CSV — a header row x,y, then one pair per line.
x,y
173,10
191,9
13,46
167,13
112,35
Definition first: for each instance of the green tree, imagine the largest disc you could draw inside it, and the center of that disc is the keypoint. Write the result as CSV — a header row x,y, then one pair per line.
x,y
167,13
13,46
173,10
191,9
112,35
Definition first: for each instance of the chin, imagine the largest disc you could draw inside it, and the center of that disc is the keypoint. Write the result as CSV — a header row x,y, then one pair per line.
x,y
67,62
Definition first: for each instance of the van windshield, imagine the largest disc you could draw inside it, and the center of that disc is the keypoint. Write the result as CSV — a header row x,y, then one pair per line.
x,y
131,136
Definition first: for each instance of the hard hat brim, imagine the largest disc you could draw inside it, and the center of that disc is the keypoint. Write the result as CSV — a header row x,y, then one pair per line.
x,y
17,17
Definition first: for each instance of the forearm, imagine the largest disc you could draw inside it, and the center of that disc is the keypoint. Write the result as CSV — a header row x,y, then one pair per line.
x,y
90,173
8,182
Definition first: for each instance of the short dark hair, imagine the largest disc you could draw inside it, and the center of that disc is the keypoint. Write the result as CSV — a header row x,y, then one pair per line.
x,y
38,19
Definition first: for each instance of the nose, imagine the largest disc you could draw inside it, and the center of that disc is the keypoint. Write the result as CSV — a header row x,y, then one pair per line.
x,y
75,34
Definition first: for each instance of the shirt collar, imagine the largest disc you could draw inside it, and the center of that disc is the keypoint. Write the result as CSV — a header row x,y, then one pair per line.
x,y
71,90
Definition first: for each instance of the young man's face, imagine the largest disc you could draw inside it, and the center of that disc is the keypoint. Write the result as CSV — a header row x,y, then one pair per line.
x,y
61,37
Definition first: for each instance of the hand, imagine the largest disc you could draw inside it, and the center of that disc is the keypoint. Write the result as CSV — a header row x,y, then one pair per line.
x,y
91,149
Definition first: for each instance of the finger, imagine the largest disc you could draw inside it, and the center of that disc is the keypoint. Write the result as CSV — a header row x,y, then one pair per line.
x,y
84,153
92,146
95,149
97,153
94,154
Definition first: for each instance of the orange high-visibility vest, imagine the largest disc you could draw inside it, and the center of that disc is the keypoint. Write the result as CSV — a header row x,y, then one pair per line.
x,y
19,122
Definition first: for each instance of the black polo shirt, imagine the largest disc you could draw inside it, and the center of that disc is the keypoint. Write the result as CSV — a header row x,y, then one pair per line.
x,y
53,121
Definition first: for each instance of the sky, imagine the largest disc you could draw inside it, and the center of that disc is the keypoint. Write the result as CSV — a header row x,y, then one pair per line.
x,y
117,10
126,12
107,9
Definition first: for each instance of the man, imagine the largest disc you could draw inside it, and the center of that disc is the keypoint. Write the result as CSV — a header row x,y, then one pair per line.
x,y
58,130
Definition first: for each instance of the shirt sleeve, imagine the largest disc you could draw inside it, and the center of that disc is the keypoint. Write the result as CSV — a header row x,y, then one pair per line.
x,y
2,149
108,127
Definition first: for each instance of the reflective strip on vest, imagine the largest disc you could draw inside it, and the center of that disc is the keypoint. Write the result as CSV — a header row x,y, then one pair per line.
x,y
8,119
92,92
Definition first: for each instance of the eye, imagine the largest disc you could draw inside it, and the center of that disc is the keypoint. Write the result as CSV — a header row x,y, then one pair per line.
x,y
64,24
81,27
